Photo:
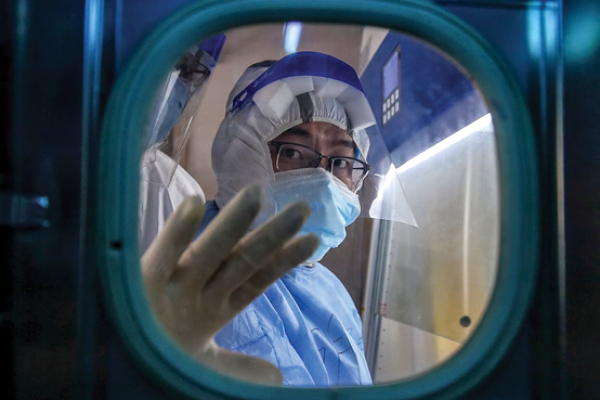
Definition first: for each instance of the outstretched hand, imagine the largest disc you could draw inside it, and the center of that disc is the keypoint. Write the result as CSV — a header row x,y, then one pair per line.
x,y
196,288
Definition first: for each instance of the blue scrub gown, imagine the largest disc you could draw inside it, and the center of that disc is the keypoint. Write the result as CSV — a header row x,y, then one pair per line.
x,y
306,324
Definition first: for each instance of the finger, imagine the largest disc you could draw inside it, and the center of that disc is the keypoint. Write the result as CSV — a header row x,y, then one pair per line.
x,y
222,234
252,252
170,243
295,252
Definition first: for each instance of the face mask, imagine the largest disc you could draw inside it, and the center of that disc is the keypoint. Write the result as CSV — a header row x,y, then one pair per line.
x,y
173,109
333,206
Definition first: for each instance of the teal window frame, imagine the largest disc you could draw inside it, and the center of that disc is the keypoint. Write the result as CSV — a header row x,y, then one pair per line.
x,y
118,194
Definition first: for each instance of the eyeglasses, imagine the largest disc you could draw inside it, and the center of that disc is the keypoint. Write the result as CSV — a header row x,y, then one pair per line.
x,y
349,170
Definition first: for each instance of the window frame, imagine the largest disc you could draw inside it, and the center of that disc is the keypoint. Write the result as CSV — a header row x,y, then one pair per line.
x,y
120,156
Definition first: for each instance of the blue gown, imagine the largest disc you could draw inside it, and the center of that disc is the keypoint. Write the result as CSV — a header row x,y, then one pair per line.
x,y
306,324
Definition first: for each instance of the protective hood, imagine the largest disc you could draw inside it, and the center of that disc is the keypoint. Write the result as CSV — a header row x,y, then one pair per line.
x,y
300,88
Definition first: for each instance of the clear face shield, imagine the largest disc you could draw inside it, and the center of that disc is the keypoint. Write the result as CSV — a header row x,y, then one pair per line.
x,y
382,193
308,111
171,118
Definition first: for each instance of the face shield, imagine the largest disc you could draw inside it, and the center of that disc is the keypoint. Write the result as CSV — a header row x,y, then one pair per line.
x,y
174,109
306,111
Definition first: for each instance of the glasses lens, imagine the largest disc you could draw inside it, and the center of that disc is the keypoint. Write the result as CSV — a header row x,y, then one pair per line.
x,y
349,170
293,156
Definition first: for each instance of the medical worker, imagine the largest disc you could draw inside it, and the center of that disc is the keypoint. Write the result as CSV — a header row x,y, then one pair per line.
x,y
164,183
294,128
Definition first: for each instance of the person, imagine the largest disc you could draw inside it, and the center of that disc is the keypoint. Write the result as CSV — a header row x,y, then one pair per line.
x,y
289,159
164,183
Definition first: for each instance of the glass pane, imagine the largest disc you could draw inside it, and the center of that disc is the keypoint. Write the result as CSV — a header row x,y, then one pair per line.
x,y
413,246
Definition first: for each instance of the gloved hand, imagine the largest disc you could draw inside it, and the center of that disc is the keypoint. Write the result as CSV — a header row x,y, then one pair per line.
x,y
196,288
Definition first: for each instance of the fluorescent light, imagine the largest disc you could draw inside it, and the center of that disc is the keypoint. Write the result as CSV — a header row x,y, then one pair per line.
x,y
476,126
292,32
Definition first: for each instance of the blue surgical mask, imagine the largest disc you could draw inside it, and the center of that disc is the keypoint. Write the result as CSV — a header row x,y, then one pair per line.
x,y
333,206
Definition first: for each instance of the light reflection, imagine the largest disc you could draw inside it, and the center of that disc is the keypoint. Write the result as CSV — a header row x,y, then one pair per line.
x,y
483,123
292,34
390,186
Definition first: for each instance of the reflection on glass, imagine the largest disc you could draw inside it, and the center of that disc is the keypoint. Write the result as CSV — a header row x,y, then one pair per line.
x,y
417,261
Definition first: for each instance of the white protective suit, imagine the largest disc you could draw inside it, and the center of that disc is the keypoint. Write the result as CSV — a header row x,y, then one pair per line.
x,y
159,197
